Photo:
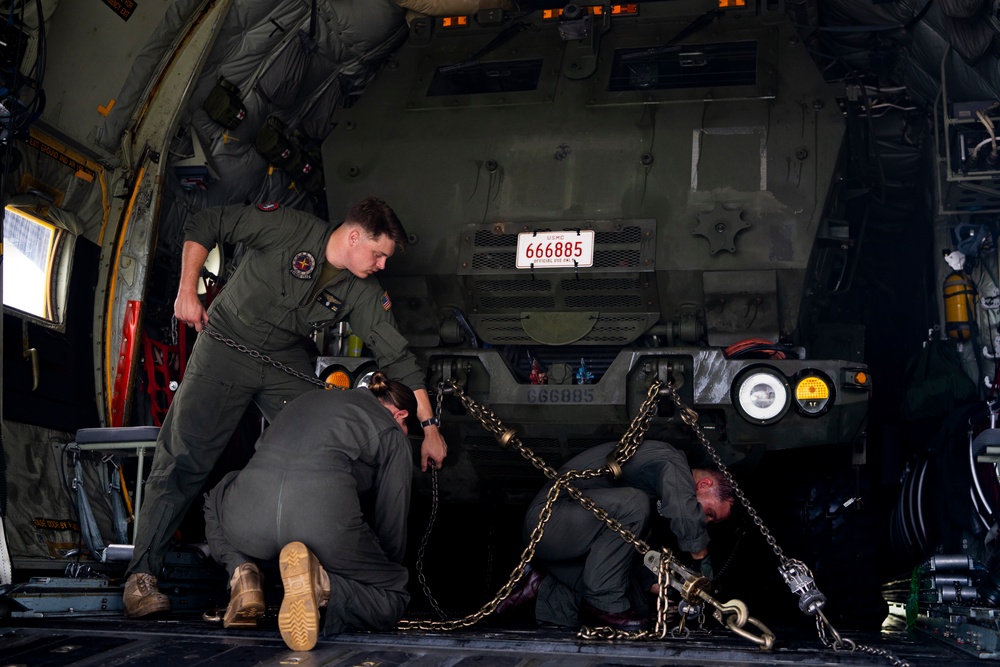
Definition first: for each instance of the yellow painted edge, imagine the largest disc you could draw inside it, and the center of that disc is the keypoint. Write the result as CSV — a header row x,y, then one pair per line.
x,y
113,279
90,164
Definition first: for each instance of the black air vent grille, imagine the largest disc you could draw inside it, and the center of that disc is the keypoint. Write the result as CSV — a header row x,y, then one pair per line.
x,y
495,77
611,329
593,284
513,285
686,66
618,293
520,302
626,235
617,259
493,260
485,238
604,301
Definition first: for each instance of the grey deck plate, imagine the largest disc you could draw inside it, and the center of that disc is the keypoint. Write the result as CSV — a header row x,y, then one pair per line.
x,y
119,642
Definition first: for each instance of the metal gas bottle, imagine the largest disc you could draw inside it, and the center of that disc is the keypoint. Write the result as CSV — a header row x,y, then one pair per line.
x,y
959,301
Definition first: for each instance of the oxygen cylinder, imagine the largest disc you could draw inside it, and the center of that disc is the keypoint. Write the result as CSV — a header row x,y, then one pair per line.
x,y
959,301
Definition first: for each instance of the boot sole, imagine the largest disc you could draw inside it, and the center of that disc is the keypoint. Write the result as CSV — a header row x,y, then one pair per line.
x,y
246,614
149,608
298,618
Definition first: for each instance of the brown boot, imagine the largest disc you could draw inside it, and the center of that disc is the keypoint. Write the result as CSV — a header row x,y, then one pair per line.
x,y
142,597
307,588
246,597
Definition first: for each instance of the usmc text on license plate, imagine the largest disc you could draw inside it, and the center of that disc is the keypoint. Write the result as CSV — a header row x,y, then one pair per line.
x,y
550,250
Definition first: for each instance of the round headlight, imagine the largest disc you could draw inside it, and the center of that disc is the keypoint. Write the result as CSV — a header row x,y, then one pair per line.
x,y
813,394
761,396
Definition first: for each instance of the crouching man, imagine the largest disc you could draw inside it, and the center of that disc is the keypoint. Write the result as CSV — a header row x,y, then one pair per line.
x,y
298,500
582,568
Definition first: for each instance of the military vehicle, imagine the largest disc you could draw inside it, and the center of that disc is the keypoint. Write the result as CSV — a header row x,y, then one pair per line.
x,y
611,207
608,198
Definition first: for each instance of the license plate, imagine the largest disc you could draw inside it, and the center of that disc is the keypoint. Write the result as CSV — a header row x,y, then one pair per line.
x,y
552,250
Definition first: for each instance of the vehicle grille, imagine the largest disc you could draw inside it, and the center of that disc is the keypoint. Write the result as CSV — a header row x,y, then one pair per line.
x,y
623,307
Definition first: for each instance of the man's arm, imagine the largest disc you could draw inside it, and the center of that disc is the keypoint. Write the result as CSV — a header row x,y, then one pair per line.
x,y
188,307
434,447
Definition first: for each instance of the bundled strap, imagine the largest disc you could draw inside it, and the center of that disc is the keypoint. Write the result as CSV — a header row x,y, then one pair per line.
x,y
88,524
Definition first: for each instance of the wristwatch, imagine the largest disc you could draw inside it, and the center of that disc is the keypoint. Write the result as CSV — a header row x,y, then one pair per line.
x,y
433,421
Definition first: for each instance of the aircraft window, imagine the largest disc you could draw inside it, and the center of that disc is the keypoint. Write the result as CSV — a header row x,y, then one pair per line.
x,y
496,77
37,257
687,66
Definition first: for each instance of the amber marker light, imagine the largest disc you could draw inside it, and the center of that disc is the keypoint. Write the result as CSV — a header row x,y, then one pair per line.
x,y
856,378
339,379
812,395
811,388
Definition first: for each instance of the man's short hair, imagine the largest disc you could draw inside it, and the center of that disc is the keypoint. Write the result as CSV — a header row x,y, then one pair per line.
x,y
377,219
723,484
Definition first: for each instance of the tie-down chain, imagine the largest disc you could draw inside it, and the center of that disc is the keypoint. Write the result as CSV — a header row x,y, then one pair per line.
x,y
693,587
670,572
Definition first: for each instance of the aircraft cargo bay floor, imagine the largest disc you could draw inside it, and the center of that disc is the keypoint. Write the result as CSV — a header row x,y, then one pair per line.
x,y
119,642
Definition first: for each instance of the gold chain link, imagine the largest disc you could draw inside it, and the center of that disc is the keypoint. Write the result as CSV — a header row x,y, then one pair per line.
x,y
626,447
256,354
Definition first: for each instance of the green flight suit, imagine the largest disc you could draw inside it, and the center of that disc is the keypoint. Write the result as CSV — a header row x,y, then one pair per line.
x,y
587,560
303,483
267,305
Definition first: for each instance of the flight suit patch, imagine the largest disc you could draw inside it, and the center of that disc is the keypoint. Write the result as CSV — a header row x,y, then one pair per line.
x,y
329,300
386,303
268,206
303,265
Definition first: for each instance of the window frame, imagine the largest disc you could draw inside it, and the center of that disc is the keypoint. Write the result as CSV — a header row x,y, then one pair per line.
x,y
58,269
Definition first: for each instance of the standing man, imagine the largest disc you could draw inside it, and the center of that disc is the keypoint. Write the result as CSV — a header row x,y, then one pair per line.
x,y
299,274
588,564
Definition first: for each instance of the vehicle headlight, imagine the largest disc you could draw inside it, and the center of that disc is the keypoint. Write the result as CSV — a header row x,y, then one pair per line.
x,y
761,395
364,380
813,394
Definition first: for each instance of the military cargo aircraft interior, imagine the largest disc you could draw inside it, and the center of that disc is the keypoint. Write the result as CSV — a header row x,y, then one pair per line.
x,y
505,332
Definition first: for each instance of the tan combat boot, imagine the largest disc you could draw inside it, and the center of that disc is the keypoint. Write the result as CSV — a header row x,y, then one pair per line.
x,y
246,597
142,596
307,589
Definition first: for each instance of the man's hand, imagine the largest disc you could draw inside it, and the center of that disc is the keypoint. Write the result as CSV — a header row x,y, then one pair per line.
x,y
705,565
189,309
433,448
187,305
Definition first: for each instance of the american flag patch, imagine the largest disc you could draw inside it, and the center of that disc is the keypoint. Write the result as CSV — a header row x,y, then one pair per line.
x,y
386,303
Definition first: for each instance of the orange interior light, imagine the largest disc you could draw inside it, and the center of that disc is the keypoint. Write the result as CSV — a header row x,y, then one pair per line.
x,y
729,4
631,8
454,21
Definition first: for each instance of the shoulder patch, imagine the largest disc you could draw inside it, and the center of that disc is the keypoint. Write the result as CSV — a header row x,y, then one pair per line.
x,y
268,206
386,303
303,265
